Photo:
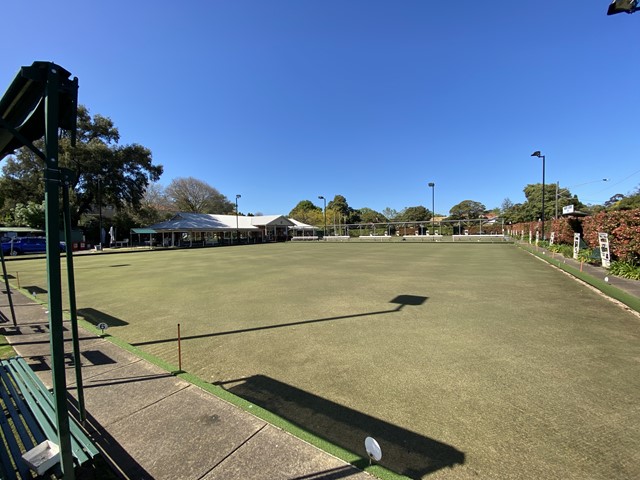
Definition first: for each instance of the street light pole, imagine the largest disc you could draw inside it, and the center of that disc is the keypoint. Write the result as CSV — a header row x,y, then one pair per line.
x,y
100,212
539,155
433,207
237,228
324,232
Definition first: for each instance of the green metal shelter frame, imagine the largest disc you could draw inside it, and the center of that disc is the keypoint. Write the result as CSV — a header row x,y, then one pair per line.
x,y
42,100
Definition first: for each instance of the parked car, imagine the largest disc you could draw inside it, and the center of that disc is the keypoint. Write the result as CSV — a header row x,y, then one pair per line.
x,y
21,245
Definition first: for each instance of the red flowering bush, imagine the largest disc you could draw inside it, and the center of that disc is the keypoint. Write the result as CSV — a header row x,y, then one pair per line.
x,y
623,228
564,229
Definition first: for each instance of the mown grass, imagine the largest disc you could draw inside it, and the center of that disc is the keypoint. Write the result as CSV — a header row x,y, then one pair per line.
x,y
480,348
6,350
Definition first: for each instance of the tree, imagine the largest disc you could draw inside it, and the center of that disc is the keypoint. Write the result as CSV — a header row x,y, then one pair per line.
x,y
195,196
154,207
514,214
414,214
121,173
29,215
613,200
562,198
506,205
368,215
390,214
467,210
630,202
306,212
340,207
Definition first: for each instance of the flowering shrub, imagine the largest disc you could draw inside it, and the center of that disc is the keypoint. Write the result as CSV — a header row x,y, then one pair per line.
x,y
623,228
564,229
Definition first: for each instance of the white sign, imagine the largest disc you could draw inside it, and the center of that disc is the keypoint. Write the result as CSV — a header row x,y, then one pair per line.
x,y
553,236
537,237
102,326
567,210
603,238
576,245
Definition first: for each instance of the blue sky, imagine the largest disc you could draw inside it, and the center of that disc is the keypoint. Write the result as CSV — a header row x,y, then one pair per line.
x,y
285,100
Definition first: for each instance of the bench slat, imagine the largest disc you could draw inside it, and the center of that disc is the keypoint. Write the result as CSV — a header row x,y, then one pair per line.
x,y
16,407
9,396
41,404
82,446
79,441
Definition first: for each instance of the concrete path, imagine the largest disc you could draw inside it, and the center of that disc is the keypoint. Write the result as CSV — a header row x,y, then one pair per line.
x,y
151,424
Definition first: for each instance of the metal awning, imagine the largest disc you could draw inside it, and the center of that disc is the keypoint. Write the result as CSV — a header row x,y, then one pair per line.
x,y
143,231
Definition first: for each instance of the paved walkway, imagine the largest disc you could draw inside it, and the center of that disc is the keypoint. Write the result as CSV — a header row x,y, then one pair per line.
x,y
152,424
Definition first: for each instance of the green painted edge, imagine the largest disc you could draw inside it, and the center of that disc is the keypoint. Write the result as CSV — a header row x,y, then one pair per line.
x,y
259,412
629,300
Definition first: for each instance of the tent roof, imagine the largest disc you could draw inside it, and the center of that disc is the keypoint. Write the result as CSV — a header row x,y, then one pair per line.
x,y
145,231
301,226
208,222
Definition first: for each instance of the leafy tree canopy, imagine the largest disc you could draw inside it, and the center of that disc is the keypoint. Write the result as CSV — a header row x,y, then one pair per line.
x,y
29,215
414,214
390,214
188,194
306,212
367,215
467,210
105,172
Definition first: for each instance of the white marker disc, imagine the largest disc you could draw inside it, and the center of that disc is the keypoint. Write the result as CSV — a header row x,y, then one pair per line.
x,y
373,449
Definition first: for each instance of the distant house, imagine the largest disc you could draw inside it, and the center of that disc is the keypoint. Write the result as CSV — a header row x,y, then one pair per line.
x,y
189,229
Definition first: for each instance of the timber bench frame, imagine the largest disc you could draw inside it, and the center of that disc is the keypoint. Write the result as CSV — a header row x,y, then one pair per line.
x,y
28,418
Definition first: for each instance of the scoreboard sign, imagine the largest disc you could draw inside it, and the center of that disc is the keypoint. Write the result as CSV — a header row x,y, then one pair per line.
x,y
603,238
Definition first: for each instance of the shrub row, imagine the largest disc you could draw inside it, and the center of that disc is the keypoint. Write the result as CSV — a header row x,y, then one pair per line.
x,y
623,228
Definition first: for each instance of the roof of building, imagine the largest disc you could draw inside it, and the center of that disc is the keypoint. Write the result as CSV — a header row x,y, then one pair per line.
x,y
202,222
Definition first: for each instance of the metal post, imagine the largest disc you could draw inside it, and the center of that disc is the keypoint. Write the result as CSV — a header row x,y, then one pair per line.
x,y
100,212
543,232
237,228
539,155
66,214
52,211
433,207
324,231
557,189
6,285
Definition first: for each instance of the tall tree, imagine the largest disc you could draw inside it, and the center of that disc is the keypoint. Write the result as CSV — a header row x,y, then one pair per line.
x,y
339,204
533,205
306,212
467,210
189,194
415,214
368,215
29,215
105,172
390,214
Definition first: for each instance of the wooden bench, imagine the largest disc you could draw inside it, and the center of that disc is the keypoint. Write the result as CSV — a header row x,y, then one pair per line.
x,y
29,418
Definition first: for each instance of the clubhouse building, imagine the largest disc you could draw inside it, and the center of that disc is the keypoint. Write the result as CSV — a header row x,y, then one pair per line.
x,y
201,229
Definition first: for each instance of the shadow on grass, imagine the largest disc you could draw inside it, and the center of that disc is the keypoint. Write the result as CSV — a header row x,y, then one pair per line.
x,y
401,300
34,289
95,317
403,451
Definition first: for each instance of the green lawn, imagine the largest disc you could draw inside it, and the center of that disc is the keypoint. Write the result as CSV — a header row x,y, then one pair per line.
x,y
475,354
5,349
